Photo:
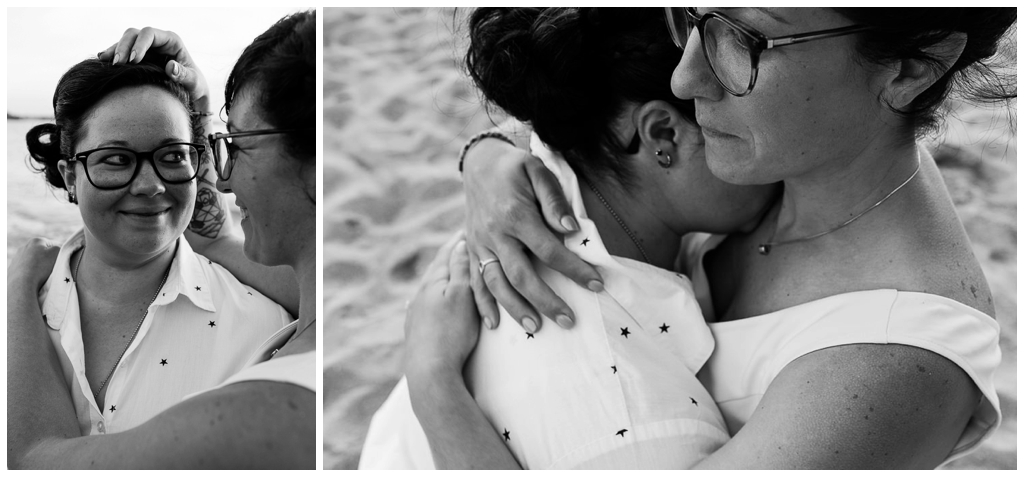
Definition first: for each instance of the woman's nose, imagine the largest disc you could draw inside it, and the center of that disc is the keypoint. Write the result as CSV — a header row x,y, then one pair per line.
x,y
693,77
147,183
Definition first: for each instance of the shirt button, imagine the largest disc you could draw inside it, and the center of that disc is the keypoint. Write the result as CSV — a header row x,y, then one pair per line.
x,y
102,428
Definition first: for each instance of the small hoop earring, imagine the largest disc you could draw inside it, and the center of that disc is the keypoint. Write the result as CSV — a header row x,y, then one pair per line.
x,y
668,159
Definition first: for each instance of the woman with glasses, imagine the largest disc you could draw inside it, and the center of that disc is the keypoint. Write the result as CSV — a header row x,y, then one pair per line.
x,y
853,324
261,412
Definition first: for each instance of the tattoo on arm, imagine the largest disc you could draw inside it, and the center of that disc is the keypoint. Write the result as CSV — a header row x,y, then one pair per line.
x,y
209,215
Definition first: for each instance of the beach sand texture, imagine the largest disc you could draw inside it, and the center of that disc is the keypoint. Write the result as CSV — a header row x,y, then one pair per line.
x,y
397,109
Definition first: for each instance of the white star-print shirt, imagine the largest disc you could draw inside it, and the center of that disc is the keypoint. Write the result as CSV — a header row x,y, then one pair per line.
x,y
618,390
201,329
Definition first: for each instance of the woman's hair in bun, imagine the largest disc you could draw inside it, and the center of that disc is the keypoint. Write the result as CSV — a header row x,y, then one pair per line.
x,y
570,72
78,91
980,74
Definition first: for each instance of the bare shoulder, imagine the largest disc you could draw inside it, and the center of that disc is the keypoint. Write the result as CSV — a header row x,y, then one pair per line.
x,y
938,252
857,406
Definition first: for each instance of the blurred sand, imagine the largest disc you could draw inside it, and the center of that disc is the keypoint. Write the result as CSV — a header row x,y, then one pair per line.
x,y
397,109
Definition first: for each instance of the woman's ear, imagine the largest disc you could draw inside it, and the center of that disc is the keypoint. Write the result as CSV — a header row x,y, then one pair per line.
x,y
913,76
67,171
664,128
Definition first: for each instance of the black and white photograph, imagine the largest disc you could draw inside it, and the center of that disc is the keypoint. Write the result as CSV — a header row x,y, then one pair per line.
x,y
161,238
670,238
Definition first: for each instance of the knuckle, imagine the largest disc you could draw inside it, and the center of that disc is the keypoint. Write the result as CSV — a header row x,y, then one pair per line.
x,y
519,277
131,31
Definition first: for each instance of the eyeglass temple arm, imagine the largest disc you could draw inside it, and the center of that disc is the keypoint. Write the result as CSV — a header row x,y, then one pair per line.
x,y
818,35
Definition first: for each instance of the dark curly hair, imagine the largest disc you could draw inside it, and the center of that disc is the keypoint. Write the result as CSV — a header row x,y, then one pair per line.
x,y
569,73
78,91
279,68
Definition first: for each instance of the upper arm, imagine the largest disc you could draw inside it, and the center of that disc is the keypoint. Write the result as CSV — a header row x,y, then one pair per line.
x,y
856,406
254,424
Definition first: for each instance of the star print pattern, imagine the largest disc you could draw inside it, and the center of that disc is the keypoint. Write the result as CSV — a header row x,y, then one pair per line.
x,y
506,435
615,370
664,328
694,401
625,332
622,432
529,335
585,242
140,391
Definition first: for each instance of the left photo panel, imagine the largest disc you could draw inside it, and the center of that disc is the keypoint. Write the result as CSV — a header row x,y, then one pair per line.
x,y
161,238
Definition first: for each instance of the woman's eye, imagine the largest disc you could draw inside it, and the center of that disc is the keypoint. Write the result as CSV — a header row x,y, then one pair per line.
x,y
116,160
175,157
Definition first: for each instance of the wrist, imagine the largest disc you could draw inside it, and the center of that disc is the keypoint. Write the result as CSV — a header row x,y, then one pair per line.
x,y
492,135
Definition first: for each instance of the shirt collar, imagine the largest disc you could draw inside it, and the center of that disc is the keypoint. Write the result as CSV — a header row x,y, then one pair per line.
x,y
187,277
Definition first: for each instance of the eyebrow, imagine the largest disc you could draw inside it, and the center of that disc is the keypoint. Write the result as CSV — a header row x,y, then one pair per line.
x,y
126,145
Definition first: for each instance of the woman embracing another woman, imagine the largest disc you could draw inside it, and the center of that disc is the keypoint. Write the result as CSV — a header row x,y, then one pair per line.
x,y
851,322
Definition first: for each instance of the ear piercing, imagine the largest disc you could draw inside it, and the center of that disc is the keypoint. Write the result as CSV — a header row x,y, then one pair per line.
x,y
72,198
663,163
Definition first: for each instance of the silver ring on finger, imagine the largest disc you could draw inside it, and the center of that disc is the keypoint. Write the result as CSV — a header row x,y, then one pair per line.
x,y
485,263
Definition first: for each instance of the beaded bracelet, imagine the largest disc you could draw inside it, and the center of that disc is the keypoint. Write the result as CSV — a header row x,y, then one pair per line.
x,y
492,133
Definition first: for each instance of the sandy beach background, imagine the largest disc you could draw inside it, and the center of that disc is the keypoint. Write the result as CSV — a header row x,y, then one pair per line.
x,y
397,109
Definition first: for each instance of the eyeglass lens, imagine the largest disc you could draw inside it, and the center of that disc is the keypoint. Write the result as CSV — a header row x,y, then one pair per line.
x,y
176,163
222,154
727,49
728,52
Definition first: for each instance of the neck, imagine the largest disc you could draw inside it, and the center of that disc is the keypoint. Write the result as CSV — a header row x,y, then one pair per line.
x,y
116,276
660,243
836,192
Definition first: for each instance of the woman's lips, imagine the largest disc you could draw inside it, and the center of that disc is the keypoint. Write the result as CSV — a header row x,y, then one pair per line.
x,y
146,212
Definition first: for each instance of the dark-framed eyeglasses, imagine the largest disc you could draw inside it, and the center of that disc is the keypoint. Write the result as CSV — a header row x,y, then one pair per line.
x,y
224,148
110,168
732,48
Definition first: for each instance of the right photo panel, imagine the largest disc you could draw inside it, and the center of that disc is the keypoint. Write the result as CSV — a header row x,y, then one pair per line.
x,y
669,238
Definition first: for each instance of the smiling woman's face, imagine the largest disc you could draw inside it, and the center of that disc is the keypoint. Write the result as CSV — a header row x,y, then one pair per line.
x,y
147,215
271,187
813,104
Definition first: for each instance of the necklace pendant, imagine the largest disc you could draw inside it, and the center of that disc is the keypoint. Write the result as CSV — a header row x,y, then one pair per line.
x,y
764,249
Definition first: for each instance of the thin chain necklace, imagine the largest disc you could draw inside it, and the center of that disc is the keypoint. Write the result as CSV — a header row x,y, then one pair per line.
x,y
96,393
622,224
766,247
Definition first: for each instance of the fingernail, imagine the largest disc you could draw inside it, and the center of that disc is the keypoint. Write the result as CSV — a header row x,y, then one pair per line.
x,y
174,68
529,324
131,57
117,56
488,322
595,286
570,223
564,321
98,54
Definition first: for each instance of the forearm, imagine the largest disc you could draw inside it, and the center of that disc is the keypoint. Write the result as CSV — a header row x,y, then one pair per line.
x,y
277,283
39,406
460,436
